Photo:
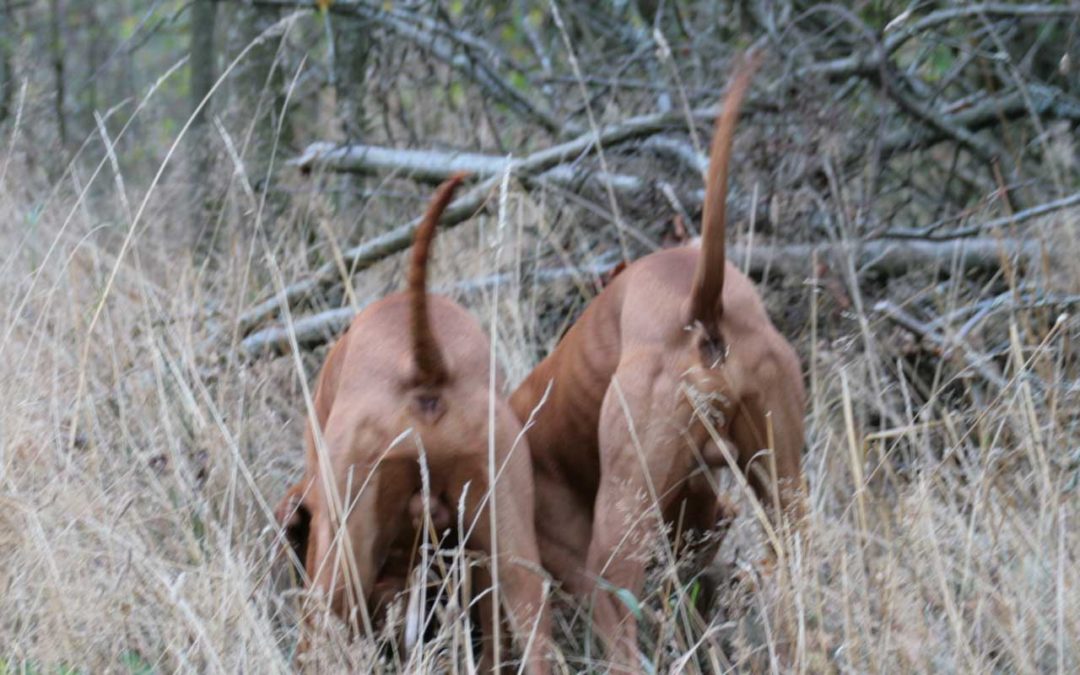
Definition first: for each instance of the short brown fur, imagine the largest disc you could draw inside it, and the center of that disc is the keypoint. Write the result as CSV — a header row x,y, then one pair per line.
x,y
375,387
622,425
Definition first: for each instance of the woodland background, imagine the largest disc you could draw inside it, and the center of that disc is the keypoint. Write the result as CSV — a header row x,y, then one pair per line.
x,y
196,196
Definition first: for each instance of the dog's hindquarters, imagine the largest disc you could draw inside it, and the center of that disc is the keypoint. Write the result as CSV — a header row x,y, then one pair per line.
x,y
644,460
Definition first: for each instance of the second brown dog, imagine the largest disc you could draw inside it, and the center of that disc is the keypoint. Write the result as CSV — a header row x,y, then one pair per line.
x,y
673,363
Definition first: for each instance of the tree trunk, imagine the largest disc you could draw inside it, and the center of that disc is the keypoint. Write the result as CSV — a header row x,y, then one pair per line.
x,y
351,47
7,67
255,89
350,68
95,55
56,47
203,19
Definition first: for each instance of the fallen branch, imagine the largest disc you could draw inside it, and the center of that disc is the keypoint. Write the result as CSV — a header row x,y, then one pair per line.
x,y
929,233
311,332
435,166
980,363
888,258
865,63
364,255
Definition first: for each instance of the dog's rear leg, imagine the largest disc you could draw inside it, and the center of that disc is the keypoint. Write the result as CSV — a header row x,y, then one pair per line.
x,y
750,432
621,528
641,452
705,518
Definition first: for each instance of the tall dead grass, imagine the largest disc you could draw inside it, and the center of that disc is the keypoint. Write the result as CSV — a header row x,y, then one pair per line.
x,y
139,459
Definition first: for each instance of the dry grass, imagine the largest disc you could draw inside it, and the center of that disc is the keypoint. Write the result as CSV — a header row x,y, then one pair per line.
x,y
139,461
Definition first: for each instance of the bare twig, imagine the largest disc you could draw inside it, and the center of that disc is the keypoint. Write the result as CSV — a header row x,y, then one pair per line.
x,y
462,51
874,64
867,63
1007,301
362,256
979,363
985,149
793,260
1046,100
930,233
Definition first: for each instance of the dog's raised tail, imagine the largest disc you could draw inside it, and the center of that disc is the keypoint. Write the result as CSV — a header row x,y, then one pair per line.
x,y
430,366
706,299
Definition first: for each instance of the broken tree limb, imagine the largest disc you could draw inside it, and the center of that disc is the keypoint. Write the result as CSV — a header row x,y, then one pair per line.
x,y
363,255
425,165
945,345
890,258
884,257
435,166
313,331
930,232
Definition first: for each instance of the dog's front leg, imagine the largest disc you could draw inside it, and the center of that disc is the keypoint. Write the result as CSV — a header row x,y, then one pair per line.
x,y
520,577
563,531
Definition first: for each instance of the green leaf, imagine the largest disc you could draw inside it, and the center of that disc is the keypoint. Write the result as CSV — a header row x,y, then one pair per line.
x,y
457,93
135,663
939,62
631,602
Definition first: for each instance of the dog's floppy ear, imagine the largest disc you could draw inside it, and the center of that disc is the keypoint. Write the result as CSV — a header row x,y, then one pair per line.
x,y
294,517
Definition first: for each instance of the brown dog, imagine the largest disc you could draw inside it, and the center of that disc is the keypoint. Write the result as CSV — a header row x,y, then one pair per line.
x,y
673,363
420,363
